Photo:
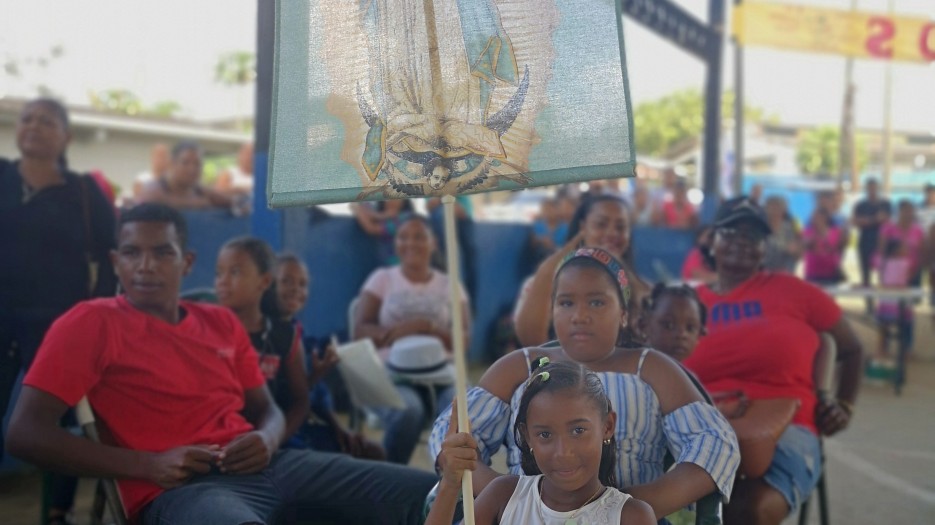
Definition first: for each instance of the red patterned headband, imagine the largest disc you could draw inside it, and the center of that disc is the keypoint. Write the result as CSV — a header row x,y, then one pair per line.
x,y
608,262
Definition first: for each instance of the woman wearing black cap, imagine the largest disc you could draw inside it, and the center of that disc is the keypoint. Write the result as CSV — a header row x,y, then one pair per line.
x,y
762,339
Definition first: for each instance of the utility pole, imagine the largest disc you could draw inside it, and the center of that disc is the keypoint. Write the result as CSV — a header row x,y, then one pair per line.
x,y
712,112
888,119
847,167
738,113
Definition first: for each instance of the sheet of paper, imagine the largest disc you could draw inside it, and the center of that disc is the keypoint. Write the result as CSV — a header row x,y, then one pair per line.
x,y
368,382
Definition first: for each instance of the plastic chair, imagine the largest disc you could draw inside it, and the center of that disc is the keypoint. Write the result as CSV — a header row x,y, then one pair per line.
x,y
709,509
823,370
358,414
106,487
200,295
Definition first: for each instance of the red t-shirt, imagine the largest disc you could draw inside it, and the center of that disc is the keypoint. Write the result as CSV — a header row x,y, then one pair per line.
x,y
694,261
154,385
762,339
676,216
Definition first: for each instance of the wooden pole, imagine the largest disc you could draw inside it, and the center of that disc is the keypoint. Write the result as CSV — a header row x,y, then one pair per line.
x,y
454,266
457,343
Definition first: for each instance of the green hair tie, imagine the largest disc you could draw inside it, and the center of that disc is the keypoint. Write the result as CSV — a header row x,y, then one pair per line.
x,y
545,376
544,361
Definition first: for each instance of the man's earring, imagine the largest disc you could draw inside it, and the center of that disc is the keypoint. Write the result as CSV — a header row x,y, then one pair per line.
x,y
607,441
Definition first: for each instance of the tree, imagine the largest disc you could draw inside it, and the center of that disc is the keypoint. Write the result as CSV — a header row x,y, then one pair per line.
x,y
165,108
117,100
33,67
126,102
237,69
660,124
819,153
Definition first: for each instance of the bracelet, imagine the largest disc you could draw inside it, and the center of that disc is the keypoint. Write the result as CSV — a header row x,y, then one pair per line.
x,y
846,406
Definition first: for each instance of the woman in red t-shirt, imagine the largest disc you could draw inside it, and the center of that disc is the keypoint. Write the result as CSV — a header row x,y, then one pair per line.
x,y
762,338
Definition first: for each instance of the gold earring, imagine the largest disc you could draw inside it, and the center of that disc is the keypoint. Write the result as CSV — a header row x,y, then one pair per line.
x,y
530,451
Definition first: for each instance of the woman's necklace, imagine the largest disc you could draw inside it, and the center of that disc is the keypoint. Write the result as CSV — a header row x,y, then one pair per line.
x,y
570,520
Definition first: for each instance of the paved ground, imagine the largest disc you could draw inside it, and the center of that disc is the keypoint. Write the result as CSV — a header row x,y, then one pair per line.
x,y
879,472
880,469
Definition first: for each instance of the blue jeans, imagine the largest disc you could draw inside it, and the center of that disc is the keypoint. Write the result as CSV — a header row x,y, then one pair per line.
x,y
299,485
796,465
404,425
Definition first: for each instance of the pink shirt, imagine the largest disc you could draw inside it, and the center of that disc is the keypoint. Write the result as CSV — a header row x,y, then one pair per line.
x,y
911,239
823,257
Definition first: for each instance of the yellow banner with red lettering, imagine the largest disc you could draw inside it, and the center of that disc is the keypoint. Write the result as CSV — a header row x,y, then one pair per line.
x,y
851,33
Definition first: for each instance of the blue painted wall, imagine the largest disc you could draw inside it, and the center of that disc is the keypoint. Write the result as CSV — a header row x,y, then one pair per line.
x,y
340,256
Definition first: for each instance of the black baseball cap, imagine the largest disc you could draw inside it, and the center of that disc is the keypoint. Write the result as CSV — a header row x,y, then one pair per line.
x,y
739,209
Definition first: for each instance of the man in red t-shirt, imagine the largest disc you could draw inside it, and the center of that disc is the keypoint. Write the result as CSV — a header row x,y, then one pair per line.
x,y
193,433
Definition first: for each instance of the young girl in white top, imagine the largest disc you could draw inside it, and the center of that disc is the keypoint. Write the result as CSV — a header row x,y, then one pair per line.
x,y
565,428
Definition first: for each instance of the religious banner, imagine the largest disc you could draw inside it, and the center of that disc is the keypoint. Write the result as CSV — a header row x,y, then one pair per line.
x,y
388,99
821,30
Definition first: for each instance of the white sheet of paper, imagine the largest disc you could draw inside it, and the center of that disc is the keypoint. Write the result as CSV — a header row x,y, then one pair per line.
x,y
367,380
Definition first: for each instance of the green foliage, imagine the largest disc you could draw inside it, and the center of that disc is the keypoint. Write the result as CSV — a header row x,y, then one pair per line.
x,y
819,153
165,108
33,67
213,166
117,100
660,124
237,68
126,102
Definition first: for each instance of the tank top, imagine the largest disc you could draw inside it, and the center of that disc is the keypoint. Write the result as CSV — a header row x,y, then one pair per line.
x,y
525,506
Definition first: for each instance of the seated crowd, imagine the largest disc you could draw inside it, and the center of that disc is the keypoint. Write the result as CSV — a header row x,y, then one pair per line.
x,y
220,414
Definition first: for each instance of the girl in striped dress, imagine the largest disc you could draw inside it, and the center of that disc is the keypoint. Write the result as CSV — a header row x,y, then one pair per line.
x,y
659,408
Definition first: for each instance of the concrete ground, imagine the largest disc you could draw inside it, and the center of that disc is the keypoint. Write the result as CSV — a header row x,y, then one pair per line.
x,y
879,470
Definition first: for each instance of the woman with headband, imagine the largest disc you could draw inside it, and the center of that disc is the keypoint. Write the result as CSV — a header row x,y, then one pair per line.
x,y
658,407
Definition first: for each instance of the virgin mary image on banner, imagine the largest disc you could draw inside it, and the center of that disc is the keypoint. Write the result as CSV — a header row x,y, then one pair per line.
x,y
415,98
454,126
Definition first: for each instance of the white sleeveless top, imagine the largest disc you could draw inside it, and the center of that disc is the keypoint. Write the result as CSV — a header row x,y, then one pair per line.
x,y
525,506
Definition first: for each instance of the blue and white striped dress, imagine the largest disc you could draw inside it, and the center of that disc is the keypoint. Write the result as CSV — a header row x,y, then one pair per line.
x,y
694,433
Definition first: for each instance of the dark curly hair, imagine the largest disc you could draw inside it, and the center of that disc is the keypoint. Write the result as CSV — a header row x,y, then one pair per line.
x,y
675,290
556,377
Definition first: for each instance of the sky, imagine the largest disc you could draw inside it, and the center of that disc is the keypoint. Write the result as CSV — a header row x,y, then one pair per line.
x,y
167,49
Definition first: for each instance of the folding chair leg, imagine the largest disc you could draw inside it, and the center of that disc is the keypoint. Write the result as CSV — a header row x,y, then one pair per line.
x,y
803,510
99,504
823,501
46,498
